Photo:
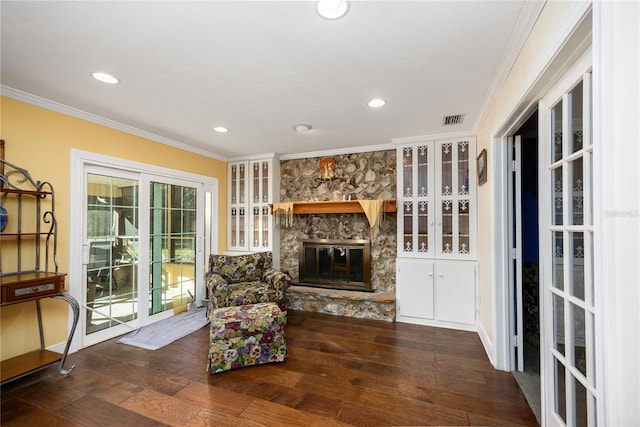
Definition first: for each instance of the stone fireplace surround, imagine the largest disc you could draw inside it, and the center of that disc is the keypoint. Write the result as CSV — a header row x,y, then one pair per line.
x,y
370,175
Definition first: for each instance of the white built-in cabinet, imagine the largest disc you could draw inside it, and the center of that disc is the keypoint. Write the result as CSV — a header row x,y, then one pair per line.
x,y
253,185
437,243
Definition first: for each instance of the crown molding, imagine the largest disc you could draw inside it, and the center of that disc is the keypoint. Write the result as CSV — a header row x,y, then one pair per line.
x,y
99,120
521,30
349,150
433,137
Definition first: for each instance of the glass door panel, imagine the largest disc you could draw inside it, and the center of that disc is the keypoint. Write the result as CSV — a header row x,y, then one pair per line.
x,y
568,285
172,246
112,242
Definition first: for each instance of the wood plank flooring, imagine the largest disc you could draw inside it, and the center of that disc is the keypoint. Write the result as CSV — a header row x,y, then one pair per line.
x,y
340,371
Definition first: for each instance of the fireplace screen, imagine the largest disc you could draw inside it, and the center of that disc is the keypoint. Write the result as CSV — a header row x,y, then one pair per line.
x,y
340,264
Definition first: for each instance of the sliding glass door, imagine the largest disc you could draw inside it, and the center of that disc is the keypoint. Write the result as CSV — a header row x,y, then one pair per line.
x,y
141,256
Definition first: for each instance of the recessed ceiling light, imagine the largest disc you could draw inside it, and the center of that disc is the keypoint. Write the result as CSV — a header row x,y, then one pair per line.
x,y
376,103
221,129
105,78
301,128
332,9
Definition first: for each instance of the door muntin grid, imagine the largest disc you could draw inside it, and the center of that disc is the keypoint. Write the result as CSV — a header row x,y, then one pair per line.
x,y
570,352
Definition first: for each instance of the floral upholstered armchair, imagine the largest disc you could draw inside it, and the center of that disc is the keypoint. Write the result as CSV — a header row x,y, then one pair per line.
x,y
234,280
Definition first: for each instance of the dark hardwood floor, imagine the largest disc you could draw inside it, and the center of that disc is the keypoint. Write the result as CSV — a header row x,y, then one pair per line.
x,y
340,371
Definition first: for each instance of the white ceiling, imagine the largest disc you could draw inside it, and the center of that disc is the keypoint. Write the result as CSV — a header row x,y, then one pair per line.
x,y
261,67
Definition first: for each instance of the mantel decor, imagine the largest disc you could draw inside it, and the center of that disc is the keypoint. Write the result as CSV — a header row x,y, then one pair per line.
x,y
328,170
284,211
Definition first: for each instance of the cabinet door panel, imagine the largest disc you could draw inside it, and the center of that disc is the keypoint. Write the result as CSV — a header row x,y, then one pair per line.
x,y
455,293
414,290
238,206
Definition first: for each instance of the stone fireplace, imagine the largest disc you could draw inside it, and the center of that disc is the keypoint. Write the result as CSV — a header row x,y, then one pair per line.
x,y
365,176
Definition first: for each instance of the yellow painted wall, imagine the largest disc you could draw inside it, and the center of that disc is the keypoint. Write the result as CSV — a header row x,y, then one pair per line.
x,y
40,141
541,37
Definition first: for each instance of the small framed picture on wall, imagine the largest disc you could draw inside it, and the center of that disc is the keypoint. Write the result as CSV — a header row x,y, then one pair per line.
x,y
481,166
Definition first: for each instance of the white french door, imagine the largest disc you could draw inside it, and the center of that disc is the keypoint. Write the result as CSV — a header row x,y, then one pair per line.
x,y
142,234
567,244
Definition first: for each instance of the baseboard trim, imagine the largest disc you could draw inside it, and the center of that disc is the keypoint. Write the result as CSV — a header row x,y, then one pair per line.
x,y
487,343
58,348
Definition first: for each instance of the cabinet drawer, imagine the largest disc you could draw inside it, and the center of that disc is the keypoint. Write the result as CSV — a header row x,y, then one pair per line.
x,y
37,287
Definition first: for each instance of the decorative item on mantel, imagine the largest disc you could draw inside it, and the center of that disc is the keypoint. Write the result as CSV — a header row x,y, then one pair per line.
x,y
327,170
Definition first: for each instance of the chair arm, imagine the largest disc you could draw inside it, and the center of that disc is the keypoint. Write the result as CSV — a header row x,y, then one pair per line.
x,y
280,282
216,287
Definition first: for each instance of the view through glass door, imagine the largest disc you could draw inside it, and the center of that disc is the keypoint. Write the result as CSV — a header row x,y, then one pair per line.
x,y
130,278
112,240
172,254
568,240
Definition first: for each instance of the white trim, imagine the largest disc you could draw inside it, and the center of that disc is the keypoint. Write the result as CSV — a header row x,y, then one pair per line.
x,y
432,137
521,31
616,106
57,348
267,156
500,247
486,343
94,118
436,323
569,42
349,150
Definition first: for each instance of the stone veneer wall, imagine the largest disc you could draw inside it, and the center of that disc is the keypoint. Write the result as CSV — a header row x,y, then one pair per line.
x,y
371,175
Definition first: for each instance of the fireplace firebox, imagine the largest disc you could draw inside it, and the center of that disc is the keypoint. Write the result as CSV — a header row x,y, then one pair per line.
x,y
337,264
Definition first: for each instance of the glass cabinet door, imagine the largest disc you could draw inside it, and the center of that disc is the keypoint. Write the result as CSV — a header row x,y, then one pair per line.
x,y
237,180
455,210
416,182
260,221
436,182
454,193
250,192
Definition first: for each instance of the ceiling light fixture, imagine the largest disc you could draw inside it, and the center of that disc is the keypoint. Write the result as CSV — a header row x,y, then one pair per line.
x,y
332,9
105,78
221,129
301,128
376,103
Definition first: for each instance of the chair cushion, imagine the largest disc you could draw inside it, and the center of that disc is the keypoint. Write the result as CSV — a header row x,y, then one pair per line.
x,y
245,320
246,293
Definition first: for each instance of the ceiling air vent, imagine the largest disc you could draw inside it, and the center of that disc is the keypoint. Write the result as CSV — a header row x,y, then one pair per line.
x,y
453,120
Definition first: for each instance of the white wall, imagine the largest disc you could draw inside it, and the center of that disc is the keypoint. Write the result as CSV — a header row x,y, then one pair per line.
x,y
531,75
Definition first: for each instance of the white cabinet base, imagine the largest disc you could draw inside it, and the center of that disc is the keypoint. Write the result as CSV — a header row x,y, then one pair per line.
x,y
436,293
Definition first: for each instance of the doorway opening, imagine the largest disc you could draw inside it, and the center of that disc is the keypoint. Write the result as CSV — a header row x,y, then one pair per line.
x,y
526,284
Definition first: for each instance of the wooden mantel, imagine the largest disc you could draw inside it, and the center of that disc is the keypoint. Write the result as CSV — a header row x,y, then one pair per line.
x,y
336,206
